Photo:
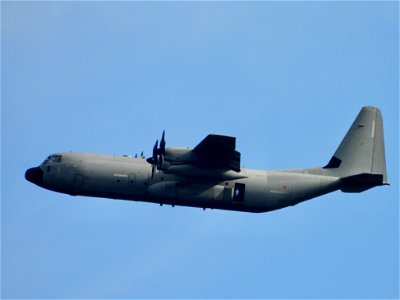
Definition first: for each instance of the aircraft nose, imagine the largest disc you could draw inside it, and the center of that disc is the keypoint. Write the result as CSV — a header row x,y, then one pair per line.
x,y
34,175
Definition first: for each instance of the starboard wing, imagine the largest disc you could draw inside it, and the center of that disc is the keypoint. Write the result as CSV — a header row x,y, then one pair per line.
x,y
214,157
217,151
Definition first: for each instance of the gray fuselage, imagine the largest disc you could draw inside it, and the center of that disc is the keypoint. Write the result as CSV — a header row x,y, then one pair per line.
x,y
130,178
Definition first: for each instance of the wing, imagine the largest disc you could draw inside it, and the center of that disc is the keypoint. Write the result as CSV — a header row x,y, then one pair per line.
x,y
217,151
214,157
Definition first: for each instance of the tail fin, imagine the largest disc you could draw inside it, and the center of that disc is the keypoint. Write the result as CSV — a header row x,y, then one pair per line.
x,y
360,159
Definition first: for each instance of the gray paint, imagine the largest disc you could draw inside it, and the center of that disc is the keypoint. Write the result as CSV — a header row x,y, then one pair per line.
x,y
187,178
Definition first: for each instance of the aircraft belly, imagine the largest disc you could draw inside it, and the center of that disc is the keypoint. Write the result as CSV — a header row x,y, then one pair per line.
x,y
181,192
203,195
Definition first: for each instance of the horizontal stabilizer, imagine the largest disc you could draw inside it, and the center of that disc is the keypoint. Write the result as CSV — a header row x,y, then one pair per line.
x,y
361,182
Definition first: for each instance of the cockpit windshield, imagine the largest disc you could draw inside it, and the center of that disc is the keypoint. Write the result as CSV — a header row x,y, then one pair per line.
x,y
55,158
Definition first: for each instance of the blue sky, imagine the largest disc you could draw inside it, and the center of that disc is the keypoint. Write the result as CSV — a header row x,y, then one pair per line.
x,y
286,78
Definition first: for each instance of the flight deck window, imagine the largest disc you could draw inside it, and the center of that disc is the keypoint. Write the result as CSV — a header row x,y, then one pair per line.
x,y
238,192
53,158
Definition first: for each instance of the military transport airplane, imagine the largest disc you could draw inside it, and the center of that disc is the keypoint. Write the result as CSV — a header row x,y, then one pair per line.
x,y
210,175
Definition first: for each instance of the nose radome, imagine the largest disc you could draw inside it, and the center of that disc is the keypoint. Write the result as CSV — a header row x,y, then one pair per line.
x,y
34,175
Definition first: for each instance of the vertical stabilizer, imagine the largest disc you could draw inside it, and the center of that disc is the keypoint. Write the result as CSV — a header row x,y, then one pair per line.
x,y
362,151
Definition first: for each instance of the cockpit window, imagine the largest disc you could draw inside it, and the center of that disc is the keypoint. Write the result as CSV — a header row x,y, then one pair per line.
x,y
55,158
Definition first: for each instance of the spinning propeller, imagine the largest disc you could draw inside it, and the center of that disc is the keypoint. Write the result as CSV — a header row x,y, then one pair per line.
x,y
158,155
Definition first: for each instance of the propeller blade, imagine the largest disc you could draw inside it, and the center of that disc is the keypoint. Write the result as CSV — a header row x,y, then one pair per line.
x,y
162,144
154,159
161,150
158,155
155,152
